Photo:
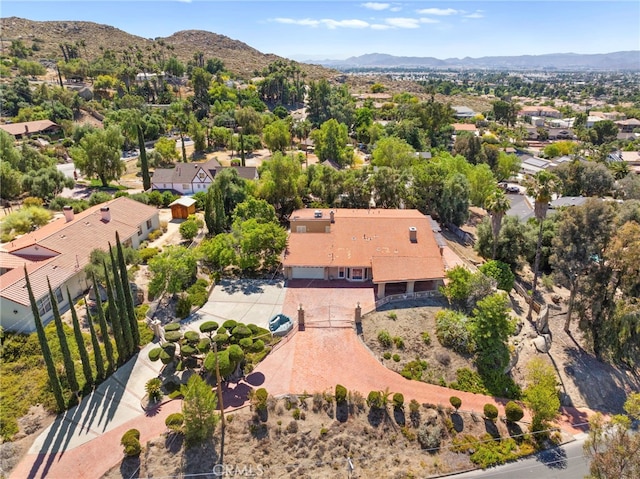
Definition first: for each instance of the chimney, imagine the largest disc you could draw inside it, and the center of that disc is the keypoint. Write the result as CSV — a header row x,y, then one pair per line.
x,y
26,129
332,216
68,213
105,213
413,234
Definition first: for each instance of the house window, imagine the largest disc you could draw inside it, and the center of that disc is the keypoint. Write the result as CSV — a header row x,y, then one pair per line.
x,y
185,187
44,305
139,230
340,272
128,243
149,224
357,274
301,229
59,297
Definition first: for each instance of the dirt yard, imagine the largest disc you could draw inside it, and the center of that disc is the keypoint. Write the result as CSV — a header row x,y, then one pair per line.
x,y
318,444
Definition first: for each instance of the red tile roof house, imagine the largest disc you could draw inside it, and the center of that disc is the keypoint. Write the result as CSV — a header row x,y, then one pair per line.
x,y
394,250
30,128
59,251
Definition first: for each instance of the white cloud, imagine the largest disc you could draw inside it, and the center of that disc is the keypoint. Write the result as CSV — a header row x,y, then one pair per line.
x,y
327,22
395,9
477,14
307,22
428,20
438,11
403,22
379,26
376,5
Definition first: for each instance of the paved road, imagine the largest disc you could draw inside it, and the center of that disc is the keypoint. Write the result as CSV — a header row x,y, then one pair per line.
x,y
565,462
519,207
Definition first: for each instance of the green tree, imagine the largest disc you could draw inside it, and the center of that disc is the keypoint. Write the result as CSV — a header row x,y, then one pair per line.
x,y
469,146
541,393
331,143
179,116
166,147
482,184
506,112
491,327
507,165
132,125
393,152
199,410
97,353
541,187
189,229
214,215
54,381
104,328
281,183
121,308
454,206
11,181
114,318
69,367
500,272
82,349
497,204
605,131
99,154
45,183
458,286
128,297
277,136
253,208
173,270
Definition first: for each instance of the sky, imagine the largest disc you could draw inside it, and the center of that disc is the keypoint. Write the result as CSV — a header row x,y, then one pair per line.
x,y
338,29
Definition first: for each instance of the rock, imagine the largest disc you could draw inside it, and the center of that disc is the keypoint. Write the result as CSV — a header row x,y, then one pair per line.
x,y
541,344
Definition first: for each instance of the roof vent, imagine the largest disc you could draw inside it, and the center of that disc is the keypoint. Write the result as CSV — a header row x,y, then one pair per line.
x,y
413,234
317,214
332,216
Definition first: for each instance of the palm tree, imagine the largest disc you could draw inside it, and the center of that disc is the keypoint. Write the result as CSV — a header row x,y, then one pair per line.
x,y
497,204
541,187
132,126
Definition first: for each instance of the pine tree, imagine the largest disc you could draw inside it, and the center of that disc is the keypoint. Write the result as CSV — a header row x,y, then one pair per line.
x,y
128,298
82,349
120,306
115,320
69,368
97,353
104,329
44,346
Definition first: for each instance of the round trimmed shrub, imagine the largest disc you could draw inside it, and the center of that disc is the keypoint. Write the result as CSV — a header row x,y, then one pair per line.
x,y
191,336
246,343
165,357
384,338
171,327
374,400
188,350
154,354
169,348
131,443
341,393
241,331
173,336
222,330
490,411
174,421
208,327
513,412
398,400
236,354
204,345
255,329
456,402
220,339
229,324
257,346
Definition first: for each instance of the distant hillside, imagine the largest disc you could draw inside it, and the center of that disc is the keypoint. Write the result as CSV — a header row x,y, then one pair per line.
x,y
629,60
238,57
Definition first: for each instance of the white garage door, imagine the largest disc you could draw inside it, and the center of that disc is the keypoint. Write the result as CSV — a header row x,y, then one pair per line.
x,y
303,272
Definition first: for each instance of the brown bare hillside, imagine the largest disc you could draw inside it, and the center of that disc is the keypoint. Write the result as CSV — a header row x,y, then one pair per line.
x,y
237,56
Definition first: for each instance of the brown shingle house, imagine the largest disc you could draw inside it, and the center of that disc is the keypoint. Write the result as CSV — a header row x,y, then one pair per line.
x,y
396,250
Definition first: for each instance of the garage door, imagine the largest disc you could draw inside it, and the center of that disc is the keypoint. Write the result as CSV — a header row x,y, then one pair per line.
x,y
302,272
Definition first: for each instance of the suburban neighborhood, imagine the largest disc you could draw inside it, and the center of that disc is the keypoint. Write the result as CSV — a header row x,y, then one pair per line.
x,y
216,262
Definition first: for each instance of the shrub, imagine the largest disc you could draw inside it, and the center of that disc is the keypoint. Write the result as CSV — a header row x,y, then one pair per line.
x,y
131,443
208,327
229,324
236,354
296,414
396,358
31,201
430,436
246,343
260,399
340,393
154,354
241,331
384,338
375,400
547,282
513,412
141,312
392,315
257,346
174,422
386,355
453,331
154,235
413,369
426,338
147,253
183,307
188,230
153,389
490,411
456,402
198,292
398,401
399,342
501,272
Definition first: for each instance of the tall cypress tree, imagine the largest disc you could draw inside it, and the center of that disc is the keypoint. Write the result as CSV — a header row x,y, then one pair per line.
x,y
44,346
120,306
104,329
97,353
115,320
82,349
128,298
69,367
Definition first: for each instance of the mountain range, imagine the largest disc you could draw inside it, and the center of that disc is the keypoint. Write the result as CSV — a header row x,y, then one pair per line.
x,y
627,60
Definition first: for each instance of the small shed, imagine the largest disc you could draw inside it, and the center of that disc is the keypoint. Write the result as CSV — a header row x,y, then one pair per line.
x,y
183,207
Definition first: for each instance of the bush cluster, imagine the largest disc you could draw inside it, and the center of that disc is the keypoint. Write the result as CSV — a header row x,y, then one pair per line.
x,y
131,443
341,394
513,412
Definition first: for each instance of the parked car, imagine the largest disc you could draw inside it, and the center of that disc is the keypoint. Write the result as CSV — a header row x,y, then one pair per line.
x,y
513,189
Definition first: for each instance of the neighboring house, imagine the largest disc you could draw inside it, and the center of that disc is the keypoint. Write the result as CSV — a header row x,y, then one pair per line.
x,y
628,126
463,112
395,250
545,111
460,127
530,165
190,178
59,251
18,130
